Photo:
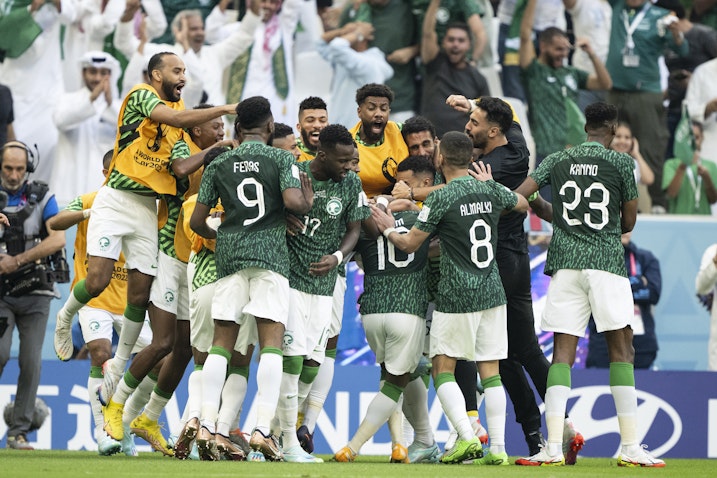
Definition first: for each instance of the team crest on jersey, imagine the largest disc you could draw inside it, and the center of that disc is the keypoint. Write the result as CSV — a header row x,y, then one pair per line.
x,y
571,83
423,215
334,206
94,326
169,297
288,339
104,243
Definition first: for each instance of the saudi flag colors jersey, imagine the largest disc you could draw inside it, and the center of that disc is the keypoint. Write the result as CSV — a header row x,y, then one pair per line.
x,y
249,180
465,215
335,205
589,183
394,281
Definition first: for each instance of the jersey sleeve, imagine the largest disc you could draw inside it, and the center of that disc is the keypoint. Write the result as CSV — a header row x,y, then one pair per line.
x,y
75,205
288,172
208,193
542,173
431,213
358,206
143,102
507,199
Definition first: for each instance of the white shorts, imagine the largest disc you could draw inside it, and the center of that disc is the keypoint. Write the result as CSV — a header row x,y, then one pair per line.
x,y
396,339
255,292
97,324
337,307
574,294
201,322
126,222
307,331
476,336
170,291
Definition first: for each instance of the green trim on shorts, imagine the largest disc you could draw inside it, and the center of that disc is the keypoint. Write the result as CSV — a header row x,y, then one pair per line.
x,y
135,313
331,353
622,374
162,393
442,378
308,374
243,371
80,292
96,372
493,381
392,391
198,367
130,381
153,376
426,380
271,350
218,350
559,374
293,364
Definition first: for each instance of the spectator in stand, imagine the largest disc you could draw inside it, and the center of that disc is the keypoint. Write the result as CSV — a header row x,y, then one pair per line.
x,y
625,142
7,133
701,100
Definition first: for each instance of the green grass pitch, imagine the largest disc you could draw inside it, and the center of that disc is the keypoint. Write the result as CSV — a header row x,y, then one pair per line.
x,y
79,464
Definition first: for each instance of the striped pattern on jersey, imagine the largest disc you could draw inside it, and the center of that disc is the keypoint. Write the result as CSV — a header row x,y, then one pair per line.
x,y
174,205
590,183
465,215
206,268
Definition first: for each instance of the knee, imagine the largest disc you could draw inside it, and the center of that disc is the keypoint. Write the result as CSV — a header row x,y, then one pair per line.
x,y
96,283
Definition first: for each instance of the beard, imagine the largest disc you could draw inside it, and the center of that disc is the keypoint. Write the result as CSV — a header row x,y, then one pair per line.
x,y
168,90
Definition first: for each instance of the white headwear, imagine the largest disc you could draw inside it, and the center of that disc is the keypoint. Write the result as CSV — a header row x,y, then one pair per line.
x,y
101,59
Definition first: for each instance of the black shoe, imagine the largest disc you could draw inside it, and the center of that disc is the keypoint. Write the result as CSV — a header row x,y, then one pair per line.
x,y
535,442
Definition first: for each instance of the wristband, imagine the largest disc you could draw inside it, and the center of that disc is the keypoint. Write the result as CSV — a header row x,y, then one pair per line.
x,y
388,231
533,197
382,201
339,255
86,213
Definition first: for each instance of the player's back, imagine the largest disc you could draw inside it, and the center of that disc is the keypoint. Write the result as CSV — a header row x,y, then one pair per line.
x,y
466,213
249,180
590,184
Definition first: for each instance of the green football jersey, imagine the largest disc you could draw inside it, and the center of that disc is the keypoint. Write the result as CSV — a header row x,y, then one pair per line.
x,y
465,215
590,184
205,271
250,180
174,205
393,280
335,206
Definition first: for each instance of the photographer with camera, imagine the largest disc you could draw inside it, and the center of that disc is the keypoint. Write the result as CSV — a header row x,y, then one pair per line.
x,y
31,261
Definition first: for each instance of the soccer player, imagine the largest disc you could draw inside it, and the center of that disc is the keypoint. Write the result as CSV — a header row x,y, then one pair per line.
x,y
101,315
470,318
312,119
379,140
124,219
284,139
594,202
393,310
255,182
329,232
169,299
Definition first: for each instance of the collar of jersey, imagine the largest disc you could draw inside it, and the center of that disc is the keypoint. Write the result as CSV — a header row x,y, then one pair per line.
x,y
360,141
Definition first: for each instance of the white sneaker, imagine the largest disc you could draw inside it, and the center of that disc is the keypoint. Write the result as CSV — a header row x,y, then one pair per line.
x,y
641,457
63,338
542,458
297,454
128,446
106,446
108,385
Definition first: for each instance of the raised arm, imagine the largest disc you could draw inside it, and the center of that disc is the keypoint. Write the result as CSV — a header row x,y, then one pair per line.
x,y
429,39
526,54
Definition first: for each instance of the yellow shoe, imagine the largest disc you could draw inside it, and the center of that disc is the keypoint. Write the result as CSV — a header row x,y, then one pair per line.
x,y
113,420
151,432
345,455
399,454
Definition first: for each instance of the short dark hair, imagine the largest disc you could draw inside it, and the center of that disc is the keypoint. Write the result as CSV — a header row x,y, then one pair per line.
x,y
282,130
156,62
600,115
213,153
550,33
107,158
416,124
461,26
334,135
253,112
419,163
497,111
374,89
673,6
456,148
312,103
